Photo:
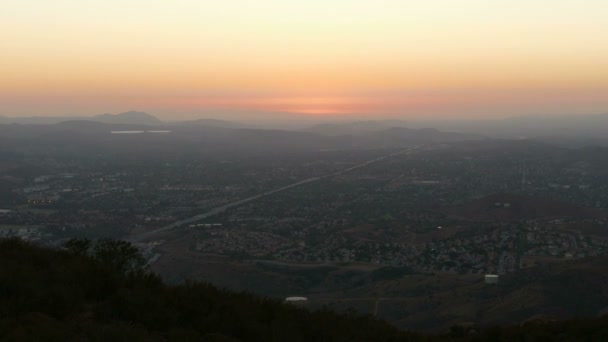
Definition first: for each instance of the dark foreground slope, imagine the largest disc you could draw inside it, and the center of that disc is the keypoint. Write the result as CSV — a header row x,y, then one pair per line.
x,y
48,295
53,295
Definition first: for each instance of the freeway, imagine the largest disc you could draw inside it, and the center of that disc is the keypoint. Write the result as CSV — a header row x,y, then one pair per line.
x,y
150,234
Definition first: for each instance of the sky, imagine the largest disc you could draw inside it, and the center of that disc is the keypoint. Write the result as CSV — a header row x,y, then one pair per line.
x,y
182,59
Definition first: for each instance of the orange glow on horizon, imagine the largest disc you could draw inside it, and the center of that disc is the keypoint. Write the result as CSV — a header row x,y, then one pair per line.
x,y
387,57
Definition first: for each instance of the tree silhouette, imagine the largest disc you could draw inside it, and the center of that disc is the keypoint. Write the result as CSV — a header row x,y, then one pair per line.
x,y
117,254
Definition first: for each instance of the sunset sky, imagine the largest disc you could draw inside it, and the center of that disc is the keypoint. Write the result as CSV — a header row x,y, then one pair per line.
x,y
366,58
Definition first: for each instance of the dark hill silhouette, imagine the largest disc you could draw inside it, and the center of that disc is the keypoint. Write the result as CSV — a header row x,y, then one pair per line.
x,y
131,117
72,295
66,296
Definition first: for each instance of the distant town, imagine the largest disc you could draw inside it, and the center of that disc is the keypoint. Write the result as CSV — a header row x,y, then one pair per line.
x,y
387,223
425,209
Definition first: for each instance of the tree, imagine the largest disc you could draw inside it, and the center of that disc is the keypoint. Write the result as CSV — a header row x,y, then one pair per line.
x,y
78,246
118,254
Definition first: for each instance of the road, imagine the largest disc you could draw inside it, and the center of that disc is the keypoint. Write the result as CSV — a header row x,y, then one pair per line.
x,y
147,235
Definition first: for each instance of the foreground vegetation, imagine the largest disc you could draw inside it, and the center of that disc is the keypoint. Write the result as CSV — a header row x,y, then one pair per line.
x,y
100,292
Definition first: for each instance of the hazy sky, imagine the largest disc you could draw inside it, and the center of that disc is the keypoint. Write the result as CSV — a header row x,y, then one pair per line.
x,y
408,58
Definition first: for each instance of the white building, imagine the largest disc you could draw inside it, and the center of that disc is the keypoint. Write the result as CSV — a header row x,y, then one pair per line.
x,y
491,279
296,300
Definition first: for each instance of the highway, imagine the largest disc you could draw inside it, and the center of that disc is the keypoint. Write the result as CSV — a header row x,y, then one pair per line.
x,y
150,234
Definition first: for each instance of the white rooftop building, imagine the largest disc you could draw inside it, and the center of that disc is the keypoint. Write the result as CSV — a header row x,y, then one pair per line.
x,y
296,300
491,279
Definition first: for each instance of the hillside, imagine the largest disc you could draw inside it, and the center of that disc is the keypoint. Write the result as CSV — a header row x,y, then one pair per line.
x,y
55,295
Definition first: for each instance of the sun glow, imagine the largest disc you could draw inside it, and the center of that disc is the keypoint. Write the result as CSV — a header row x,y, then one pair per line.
x,y
425,58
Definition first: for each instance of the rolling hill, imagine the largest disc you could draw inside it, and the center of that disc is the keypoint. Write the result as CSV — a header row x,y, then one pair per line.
x,y
131,117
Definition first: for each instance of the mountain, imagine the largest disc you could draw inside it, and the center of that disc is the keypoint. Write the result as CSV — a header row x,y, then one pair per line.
x,y
37,120
131,117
